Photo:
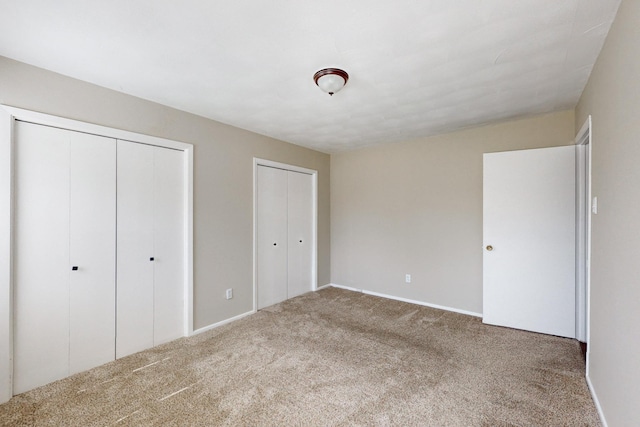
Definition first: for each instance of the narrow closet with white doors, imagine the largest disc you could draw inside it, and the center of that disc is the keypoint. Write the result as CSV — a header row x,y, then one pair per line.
x,y
284,237
92,216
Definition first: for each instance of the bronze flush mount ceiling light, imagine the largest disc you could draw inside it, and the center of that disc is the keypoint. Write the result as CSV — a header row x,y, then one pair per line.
x,y
331,80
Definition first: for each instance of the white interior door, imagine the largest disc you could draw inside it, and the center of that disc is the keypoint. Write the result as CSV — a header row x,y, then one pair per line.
x,y
168,223
41,268
300,233
271,236
65,254
529,239
92,288
135,293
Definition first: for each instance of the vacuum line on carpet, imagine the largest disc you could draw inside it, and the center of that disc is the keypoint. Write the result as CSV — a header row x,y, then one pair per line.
x,y
146,366
174,393
82,390
127,416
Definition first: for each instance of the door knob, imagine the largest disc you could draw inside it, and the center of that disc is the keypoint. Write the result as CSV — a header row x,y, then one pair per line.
x,y
152,259
275,244
74,268
489,248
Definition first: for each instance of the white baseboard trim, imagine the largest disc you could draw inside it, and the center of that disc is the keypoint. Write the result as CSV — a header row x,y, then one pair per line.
x,y
411,301
222,322
594,396
348,288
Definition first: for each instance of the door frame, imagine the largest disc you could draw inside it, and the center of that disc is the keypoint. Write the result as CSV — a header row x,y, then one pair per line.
x,y
314,245
583,142
8,116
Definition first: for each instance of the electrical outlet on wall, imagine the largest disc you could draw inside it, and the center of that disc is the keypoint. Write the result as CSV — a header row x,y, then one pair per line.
x,y
407,278
229,293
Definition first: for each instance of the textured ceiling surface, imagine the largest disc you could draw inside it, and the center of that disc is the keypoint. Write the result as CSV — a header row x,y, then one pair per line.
x,y
417,67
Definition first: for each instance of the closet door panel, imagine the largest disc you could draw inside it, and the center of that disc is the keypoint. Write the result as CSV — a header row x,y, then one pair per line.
x,y
41,269
272,236
92,250
300,233
135,248
168,245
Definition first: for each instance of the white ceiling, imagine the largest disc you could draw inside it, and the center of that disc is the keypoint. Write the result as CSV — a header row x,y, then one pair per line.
x,y
417,67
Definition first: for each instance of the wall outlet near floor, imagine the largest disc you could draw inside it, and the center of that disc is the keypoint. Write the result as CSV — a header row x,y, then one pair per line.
x,y
407,278
229,293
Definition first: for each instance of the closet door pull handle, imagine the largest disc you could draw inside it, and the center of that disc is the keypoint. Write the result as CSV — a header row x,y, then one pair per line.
x,y
151,259
300,241
74,268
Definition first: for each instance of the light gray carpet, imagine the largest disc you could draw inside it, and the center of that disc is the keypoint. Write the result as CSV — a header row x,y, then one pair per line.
x,y
334,358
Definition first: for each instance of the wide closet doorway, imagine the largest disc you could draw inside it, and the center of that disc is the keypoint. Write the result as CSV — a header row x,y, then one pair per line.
x,y
285,211
99,250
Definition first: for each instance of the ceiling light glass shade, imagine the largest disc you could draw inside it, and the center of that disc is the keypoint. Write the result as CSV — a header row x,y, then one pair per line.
x,y
331,80
330,83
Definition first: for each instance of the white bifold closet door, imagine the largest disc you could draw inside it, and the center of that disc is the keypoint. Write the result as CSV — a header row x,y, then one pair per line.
x,y
150,279
64,295
299,233
284,234
272,236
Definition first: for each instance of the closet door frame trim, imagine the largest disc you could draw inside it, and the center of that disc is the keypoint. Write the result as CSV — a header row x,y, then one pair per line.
x,y
314,247
8,116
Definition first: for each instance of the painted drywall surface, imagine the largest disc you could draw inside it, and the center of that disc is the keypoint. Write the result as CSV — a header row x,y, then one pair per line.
x,y
612,97
223,176
416,208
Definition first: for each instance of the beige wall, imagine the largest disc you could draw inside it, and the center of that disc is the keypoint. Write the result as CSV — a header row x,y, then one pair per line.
x,y
223,184
416,207
612,97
